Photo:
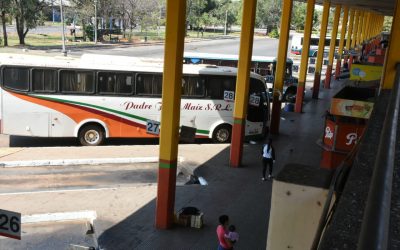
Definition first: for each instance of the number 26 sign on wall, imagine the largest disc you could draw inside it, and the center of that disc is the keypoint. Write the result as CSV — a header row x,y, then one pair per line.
x,y
10,224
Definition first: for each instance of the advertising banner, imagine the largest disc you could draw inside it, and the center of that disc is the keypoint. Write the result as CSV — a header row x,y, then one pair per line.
x,y
361,72
352,108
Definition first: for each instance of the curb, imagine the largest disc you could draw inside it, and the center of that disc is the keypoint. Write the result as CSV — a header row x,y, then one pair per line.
x,y
70,162
88,215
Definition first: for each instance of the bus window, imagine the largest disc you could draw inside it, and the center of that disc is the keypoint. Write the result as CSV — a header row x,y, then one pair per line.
x,y
149,84
228,63
264,68
256,86
72,81
211,61
44,80
216,85
115,83
192,86
16,78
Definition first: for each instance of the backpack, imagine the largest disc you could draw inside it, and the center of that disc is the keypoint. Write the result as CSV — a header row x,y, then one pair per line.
x,y
189,211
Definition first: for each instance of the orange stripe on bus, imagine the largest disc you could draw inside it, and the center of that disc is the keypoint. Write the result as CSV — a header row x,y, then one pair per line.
x,y
117,126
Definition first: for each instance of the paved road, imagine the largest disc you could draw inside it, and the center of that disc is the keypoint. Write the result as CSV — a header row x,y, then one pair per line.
x,y
261,47
27,179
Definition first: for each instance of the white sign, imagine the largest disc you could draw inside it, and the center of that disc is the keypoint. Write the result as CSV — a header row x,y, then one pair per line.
x,y
328,133
351,137
229,96
153,127
254,100
10,224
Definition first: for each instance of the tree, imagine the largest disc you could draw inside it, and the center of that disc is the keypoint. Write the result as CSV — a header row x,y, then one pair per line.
x,y
227,12
299,16
27,14
84,10
268,14
130,7
195,10
5,9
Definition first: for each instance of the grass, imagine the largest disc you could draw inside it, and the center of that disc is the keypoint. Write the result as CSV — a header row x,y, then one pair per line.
x,y
206,34
54,39
43,40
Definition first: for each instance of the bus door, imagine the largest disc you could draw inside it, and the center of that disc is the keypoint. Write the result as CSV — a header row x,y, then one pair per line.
x,y
21,117
256,112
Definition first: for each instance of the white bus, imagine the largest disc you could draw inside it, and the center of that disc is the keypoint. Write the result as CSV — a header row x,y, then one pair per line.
x,y
97,97
263,65
297,44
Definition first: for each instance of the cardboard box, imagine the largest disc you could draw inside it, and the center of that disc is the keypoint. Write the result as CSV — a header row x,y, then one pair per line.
x,y
196,221
183,220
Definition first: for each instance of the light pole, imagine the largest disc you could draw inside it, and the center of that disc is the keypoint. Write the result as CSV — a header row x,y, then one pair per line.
x,y
95,21
226,22
52,8
63,35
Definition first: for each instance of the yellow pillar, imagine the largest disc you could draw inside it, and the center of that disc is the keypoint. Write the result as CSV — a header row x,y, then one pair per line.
x,y
393,53
355,36
350,33
363,27
359,30
372,24
170,114
281,65
378,21
242,81
341,41
332,46
368,27
382,23
321,46
377,26
304,56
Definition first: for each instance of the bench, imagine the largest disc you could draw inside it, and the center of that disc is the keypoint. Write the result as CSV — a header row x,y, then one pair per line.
x,y
114,39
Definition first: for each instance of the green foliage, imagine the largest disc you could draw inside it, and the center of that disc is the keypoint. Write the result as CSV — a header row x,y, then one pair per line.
x,y
268,14
274,33
27,15
89,31
299,16
202,13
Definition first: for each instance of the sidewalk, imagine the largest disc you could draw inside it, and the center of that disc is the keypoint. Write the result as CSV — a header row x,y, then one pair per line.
x,y
126,215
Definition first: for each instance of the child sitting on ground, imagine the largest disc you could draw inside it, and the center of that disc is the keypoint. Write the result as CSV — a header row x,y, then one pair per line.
x,y
232,235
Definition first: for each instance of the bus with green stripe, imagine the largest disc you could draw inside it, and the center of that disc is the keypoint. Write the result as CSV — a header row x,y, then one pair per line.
x,y
95,97
262,65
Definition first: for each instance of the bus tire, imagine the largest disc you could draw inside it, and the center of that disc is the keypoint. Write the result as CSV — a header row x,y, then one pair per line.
x,y
222,134
91,135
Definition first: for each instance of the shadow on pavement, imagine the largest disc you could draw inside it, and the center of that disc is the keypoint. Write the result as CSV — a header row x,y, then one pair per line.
x,y
239,193
27,141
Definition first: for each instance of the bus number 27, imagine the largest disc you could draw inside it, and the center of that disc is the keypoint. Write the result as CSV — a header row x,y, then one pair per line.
x,y
153,127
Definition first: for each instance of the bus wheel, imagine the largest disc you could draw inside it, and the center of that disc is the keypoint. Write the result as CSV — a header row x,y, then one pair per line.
x,y
91,135
222,134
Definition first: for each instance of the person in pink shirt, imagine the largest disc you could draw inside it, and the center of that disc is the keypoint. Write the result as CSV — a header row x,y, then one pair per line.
x,y
222,230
